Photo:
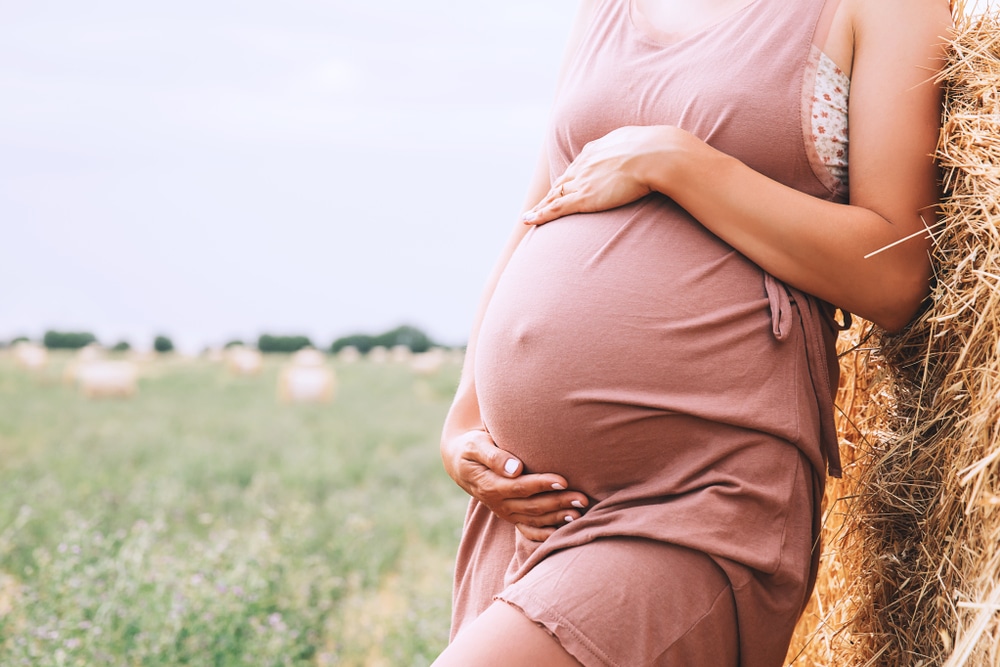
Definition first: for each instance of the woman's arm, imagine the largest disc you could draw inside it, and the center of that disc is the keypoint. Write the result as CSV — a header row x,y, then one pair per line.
x,y
815,245
535,502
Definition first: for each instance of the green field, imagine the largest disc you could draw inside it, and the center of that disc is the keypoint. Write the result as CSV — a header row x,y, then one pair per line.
x,y
202,522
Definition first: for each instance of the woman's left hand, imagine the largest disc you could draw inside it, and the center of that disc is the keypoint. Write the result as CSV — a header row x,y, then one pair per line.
x,y
609,172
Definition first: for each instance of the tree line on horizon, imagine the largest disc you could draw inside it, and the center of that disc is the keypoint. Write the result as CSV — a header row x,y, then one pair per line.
x,y
406,335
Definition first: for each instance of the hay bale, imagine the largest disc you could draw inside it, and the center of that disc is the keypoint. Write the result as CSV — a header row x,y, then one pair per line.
x,y
400,354
85,355
913,567
307,356
304,384
348,354
30,356
378,354
429,362
101,378
306,379
244,360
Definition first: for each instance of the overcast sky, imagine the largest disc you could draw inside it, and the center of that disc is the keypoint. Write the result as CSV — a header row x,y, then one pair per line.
x,y
215,169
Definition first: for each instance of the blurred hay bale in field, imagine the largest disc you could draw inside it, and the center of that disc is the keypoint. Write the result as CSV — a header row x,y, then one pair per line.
x,y
307,356
378,354
84,355
912,574
100,378
306,378
30,356
91,352
400,354
348,354
429,362
243,360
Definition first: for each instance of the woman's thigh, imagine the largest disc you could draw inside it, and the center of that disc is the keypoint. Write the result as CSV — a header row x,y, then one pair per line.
x,y
504,637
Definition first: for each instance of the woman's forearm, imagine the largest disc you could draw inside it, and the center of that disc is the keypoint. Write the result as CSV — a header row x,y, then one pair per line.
x,y
825,248
818,246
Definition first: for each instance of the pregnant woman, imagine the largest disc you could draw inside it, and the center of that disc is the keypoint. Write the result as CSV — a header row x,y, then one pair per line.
x,y
645,417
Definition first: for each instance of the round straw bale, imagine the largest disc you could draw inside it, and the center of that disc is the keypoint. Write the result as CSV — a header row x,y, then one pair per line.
x,y
31,356
244,360
306,384
429,362
348,354
99,378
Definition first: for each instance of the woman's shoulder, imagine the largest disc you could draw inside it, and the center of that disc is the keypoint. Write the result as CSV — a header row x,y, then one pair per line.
x,y
913,18
878,29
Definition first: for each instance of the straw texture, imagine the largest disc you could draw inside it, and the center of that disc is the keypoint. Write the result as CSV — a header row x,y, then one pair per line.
x,y
911,573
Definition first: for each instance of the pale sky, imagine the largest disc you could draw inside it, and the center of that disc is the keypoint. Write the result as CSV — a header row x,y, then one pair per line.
x,y
216,169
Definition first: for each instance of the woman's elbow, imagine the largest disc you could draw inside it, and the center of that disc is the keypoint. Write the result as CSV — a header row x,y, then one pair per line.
x,y
902,303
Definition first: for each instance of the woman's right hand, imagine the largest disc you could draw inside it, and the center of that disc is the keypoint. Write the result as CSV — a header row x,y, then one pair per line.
x,y
537,504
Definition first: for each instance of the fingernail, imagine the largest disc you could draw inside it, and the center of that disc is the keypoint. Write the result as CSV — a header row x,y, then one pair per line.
x,y
568,518
529,216
510,467
558,487
577,504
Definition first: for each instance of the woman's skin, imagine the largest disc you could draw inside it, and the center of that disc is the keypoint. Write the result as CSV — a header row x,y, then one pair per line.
x,y
892,50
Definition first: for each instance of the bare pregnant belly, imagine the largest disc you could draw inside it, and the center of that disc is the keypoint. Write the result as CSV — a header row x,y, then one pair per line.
x,y
616,345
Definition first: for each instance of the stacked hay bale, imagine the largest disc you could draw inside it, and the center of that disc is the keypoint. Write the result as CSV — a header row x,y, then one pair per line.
x,y
912,574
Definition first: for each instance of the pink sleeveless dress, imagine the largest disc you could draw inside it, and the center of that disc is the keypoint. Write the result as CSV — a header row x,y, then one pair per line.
x,y
685,391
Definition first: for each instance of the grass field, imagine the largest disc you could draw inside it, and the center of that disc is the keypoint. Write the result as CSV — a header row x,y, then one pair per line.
x,y
201,522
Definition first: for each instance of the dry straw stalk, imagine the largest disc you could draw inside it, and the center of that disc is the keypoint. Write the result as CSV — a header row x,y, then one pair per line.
x,y
911,573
